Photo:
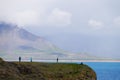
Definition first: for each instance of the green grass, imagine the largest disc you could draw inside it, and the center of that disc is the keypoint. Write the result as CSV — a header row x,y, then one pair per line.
x,y
45,71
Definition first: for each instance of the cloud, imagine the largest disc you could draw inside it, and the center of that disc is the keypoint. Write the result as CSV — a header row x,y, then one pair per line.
x,y
25,12
117,21
25,18
59,18
33,13
95,24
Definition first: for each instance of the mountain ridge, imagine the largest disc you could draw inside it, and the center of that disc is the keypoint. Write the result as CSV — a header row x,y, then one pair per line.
x,y
15,42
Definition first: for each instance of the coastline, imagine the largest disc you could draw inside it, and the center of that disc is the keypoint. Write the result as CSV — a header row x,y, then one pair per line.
x,y
65,61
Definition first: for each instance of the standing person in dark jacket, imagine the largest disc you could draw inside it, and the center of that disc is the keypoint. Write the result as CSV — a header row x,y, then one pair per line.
x,y
57,60
19,59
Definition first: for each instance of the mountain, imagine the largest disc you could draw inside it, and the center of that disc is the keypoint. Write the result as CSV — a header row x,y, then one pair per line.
x,y
16,38
15,42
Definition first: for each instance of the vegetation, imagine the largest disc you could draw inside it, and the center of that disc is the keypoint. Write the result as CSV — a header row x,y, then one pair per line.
x,y
45,71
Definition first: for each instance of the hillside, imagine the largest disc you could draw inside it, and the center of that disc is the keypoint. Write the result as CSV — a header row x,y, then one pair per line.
x,y
15,38
16,41
45,71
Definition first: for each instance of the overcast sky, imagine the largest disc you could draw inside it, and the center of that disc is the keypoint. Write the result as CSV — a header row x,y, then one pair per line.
x,y
91,26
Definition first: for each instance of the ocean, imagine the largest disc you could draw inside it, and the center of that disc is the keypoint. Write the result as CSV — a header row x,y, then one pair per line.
x,y
106,70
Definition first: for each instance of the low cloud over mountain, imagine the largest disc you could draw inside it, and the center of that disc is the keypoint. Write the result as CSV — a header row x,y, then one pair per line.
x,y
15,42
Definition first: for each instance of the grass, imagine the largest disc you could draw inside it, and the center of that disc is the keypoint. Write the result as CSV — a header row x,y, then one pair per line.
x,y
45,71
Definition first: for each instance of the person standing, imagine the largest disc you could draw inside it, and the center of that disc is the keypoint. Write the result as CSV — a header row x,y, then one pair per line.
x,y
19,59
31,59
57,60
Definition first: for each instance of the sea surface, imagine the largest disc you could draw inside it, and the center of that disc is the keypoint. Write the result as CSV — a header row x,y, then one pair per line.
x,y
106,70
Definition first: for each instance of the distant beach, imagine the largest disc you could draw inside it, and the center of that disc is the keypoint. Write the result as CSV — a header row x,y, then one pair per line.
x,y
70,61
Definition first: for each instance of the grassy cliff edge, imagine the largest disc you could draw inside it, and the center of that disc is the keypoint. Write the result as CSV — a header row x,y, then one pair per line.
x,y
45,71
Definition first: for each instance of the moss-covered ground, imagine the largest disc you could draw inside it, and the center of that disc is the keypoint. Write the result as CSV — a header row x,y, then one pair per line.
x,y
45,71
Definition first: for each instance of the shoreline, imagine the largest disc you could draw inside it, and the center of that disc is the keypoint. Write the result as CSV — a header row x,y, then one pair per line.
x,y
65,61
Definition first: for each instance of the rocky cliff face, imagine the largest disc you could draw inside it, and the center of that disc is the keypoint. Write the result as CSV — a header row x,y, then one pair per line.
x,y
45,71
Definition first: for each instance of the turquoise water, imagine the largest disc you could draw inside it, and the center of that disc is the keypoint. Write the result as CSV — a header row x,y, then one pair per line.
x,y
106,70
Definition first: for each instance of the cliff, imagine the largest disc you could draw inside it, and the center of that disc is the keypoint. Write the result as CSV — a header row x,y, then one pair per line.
x,y
45,71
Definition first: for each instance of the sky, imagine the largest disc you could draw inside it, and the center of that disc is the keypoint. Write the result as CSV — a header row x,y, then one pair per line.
x,y
87,26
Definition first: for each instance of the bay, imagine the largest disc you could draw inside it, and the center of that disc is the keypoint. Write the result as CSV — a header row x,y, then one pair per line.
x,y
106,70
